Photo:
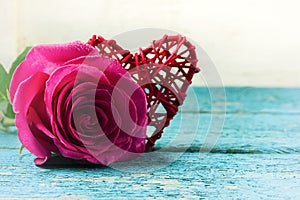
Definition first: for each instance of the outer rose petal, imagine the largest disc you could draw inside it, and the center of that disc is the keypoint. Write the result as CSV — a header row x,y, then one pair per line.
x,y
46,58
102,63
21,105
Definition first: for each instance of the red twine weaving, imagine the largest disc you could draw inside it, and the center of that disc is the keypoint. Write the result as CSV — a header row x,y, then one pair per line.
x,y
164,70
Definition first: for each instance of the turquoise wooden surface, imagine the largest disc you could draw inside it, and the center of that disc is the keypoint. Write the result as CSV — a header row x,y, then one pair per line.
x,y
257,156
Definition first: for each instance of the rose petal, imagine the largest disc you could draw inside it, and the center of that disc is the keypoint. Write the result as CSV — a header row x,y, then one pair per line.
x,y
44,135
21,103
40,161
104,64
136,93
46,58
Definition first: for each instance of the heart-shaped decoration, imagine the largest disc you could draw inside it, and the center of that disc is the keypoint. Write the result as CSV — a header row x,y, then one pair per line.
x,y
164,70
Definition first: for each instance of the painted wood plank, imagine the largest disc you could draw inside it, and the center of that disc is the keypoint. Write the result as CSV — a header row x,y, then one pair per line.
x,y
256,156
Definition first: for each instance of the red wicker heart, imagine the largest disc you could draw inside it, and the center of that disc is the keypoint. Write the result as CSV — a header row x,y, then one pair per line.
x,y
164,70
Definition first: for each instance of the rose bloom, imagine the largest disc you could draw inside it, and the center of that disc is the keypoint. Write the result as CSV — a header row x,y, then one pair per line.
x,y
71,101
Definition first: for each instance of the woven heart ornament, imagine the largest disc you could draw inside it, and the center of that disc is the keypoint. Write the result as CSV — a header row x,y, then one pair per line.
x,y
164,70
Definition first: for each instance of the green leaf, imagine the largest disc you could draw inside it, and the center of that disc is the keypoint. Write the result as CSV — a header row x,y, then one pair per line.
x,y
4,82
2,97
8,95
3,107
16,63
9,111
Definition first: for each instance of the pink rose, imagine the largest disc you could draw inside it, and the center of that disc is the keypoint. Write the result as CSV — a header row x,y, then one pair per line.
x,y
71,101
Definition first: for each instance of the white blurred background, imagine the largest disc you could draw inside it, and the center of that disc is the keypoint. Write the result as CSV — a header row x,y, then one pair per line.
x,y
251,42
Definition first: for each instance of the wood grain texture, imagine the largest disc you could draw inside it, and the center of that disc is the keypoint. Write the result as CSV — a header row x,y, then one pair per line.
x,y
257,156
